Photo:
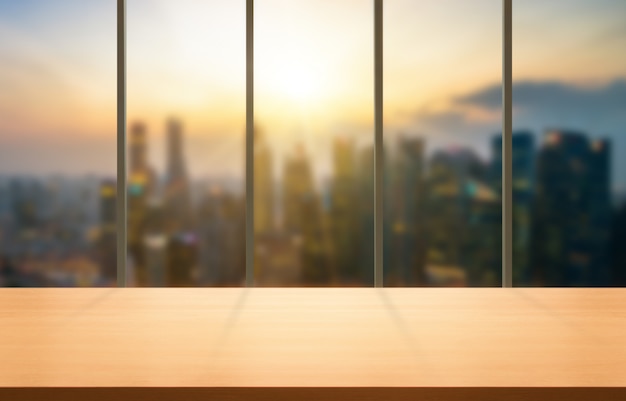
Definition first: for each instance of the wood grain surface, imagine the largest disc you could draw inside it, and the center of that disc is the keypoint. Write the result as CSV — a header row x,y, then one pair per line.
x,y
272,340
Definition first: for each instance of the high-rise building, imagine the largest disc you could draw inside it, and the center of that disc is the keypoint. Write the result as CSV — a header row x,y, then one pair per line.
x,y
297,184
344,215
155,245
316,268
181,269
304,218
155,251
140,171
572,211
365,208
177,188
463,217
618,250
405,236
523,163
27,197
600,211
140,189
222,239
263,185
278,260
107,242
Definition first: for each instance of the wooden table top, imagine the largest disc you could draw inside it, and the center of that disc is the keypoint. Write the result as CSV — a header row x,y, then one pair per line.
x,y
312,338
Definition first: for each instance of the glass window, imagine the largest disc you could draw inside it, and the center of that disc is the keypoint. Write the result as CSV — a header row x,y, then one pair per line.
x,y
186,115
57,143
442,173
569,184
313,153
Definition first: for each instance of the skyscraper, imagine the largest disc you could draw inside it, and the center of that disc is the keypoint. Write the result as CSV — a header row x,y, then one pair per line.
x,y
344,216
181,265
600,212
523,184
222,239
155,242
304,218
107,241
463,217
138,150
365,206
297,184
140,188
571,221
263,185
405,236
177,188
618,251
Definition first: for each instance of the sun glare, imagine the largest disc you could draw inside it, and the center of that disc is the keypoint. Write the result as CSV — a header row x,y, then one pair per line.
x,y
300,86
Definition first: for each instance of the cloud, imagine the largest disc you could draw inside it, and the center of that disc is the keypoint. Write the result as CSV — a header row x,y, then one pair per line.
x,y
597,109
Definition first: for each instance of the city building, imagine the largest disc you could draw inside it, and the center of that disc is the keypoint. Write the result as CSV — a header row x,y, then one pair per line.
x,y
107,243
405,214
344,216
264,219
523,185
571,224
177,191
221,232
463,221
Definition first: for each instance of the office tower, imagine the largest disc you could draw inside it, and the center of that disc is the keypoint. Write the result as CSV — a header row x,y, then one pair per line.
x,y
600,211
523,184
108,190
316,269
463,218
27,196
155,254
222,239
297,184
571,220
263,185
304,218
155,243
365,208
405,239
177,189
278,260
5,200
138,152
181,260
137,214
107,242
344,215
618,250
140,188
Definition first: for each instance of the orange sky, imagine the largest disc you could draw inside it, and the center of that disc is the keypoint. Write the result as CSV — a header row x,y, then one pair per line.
x,y
313,63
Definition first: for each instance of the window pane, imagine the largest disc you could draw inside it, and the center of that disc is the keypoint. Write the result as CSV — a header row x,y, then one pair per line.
x,y
569,97
313,143
57,143
186,108
442,174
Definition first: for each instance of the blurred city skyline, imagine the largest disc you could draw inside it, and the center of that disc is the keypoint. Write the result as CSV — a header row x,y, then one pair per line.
x,y
313,147
187,59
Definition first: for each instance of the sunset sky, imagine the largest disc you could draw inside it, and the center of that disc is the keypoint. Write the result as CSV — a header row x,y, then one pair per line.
x,y
313,75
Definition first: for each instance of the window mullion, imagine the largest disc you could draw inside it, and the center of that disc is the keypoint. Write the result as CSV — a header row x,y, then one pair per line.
x,y
378,143
121,203
507,145
249,143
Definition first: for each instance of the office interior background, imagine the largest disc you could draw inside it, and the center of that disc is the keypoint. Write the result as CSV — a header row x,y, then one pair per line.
x,y
313,143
